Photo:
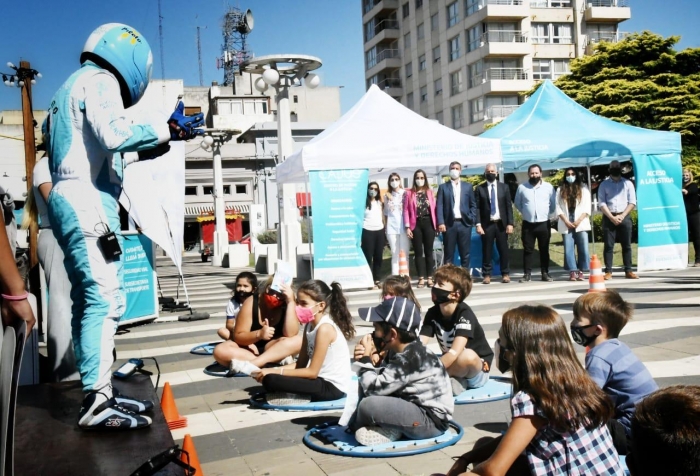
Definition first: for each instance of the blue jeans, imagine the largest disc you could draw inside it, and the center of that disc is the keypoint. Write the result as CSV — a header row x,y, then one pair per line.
x,y
580,239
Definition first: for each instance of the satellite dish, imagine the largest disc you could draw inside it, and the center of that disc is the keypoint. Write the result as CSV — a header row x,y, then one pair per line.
x,y
246,25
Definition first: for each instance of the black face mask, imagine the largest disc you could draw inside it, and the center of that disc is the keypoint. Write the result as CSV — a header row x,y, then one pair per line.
x,y
490,177
242,295
501,361
615,172
534,180
379,342
580,338
440,296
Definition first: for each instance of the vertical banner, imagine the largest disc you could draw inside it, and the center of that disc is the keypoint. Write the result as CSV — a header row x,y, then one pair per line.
x,y
662,222
338,212
139,278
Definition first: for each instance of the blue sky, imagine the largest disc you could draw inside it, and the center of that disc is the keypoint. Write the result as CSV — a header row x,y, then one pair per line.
x,y
51,33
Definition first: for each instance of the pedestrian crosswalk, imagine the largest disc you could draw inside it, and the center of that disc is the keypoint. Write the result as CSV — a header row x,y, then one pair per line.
x,y
664,334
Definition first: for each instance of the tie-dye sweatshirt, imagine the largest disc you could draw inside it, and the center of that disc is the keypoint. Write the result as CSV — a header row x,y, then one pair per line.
x,y
415,375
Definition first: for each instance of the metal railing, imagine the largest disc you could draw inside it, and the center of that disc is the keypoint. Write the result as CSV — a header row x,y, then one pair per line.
x,y
389,83
503,36
476,5
499,112
550,4
381,26
607,3
501,74
381,56
368,5
604,36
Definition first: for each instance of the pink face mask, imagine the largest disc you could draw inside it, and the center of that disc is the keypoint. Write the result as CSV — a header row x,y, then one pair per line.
x,y
305,314
388,296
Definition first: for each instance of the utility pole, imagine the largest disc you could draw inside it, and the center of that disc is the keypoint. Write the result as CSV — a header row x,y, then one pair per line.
x,y
199,57
29,154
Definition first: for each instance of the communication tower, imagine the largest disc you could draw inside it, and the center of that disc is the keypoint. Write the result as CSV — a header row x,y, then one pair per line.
x,y
236,26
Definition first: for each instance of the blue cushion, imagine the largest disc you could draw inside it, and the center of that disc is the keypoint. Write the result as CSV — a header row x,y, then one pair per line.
x,y
204,349
497,388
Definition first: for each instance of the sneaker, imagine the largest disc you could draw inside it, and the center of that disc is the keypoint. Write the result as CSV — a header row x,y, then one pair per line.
x,y
287,360
101,413
580,277
376,435
527,277
573,276
243,367
132,404
284,398
546,277
458,386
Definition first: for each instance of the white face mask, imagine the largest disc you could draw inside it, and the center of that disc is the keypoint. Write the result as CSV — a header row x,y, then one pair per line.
x,y
454,174
372,193
395,184
570,178
420,182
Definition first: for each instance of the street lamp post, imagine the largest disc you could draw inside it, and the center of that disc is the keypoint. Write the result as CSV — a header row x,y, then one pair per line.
x,y
281,72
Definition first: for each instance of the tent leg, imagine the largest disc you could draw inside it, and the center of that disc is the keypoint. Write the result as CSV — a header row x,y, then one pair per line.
x,y
590,188
309,228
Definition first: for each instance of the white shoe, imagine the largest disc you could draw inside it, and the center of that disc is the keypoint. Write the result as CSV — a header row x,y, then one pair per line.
x,y
243,367
284,398
287,360
376,435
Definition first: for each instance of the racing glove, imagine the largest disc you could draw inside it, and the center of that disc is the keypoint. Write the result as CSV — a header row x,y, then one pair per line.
x,y
185,127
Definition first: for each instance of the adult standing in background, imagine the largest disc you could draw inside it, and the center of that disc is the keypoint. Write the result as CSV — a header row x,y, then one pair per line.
x,y
395,230
573,208
494,221
616,199
692,203
456,214
419,219
536,202
373,239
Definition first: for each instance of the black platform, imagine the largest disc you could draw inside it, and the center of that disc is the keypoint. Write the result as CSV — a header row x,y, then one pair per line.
x,y
49,442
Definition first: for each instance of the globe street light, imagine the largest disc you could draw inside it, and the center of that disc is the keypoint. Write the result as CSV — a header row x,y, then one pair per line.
x,y
281,72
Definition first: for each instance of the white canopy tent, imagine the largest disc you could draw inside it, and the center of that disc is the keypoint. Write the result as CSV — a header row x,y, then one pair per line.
x,y
382,135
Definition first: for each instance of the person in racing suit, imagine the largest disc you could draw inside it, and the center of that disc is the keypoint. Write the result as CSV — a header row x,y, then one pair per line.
x,y
88,133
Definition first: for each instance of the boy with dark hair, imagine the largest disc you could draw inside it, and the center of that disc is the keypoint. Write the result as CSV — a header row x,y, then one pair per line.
x,y
466,354
409,393
598,321
666,428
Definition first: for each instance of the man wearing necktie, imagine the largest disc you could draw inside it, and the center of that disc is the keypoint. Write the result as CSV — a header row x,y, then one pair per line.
x,y
494,221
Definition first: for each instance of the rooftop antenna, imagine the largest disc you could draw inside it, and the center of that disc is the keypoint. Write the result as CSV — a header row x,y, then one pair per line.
x,y
199,57
162,52
236,26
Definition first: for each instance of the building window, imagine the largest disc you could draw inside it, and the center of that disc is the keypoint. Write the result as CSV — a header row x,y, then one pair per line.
x,y
296,99
373,80
476,73
549,68
436,54
458,117
476,107
474,37
456,82
556,33
435,22
371,58
420,31
439,116
452,14
192,110
190,190
453,48
407,41
423,93
409,100
208,190
422,64
227,190
409,70
405,9
419,4
241,189
438,86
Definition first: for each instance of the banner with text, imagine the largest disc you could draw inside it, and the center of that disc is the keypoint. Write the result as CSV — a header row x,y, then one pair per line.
x,y
338,198
662,222
139,278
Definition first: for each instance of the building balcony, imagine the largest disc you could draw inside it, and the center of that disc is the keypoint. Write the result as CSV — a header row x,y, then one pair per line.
x,y
498,9
502,80
386,31
495,114
551,3
391,86
388,59
504,43
607,10
372,8
594,39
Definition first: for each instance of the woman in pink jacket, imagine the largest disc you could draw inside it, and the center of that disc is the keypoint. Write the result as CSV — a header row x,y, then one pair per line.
x,y
419,219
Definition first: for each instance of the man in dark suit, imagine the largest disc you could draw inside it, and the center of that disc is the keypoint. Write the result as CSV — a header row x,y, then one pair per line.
x,y
494,221
456,214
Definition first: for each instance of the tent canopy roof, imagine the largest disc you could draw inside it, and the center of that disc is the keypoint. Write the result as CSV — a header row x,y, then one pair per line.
x,y
382,135
554,131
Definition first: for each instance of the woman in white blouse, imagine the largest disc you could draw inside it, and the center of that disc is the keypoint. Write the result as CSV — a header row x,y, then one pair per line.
x,y
573,209
395,228
373,239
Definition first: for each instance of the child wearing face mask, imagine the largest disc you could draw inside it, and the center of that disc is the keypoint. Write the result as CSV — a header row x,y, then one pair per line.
x,y
559,413
246,285
322,372
598,320
395,228
467,354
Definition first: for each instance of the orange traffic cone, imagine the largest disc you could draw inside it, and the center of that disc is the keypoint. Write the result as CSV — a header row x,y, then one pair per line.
x,y
167,404
191,456
403,264
596,281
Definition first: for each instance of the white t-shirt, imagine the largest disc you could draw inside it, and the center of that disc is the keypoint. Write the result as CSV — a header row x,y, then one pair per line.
x,y
232,308
41,175
456,190
373,217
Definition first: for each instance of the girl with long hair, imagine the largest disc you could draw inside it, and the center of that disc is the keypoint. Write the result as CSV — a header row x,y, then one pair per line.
x,y
395,229
559,413
421,225
322,372
573,208
691,199
373,239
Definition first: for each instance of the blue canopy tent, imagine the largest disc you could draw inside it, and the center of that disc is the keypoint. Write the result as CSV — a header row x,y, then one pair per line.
x,y
552,130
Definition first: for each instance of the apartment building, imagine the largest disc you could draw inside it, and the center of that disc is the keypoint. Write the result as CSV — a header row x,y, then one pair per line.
x,y
465,62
